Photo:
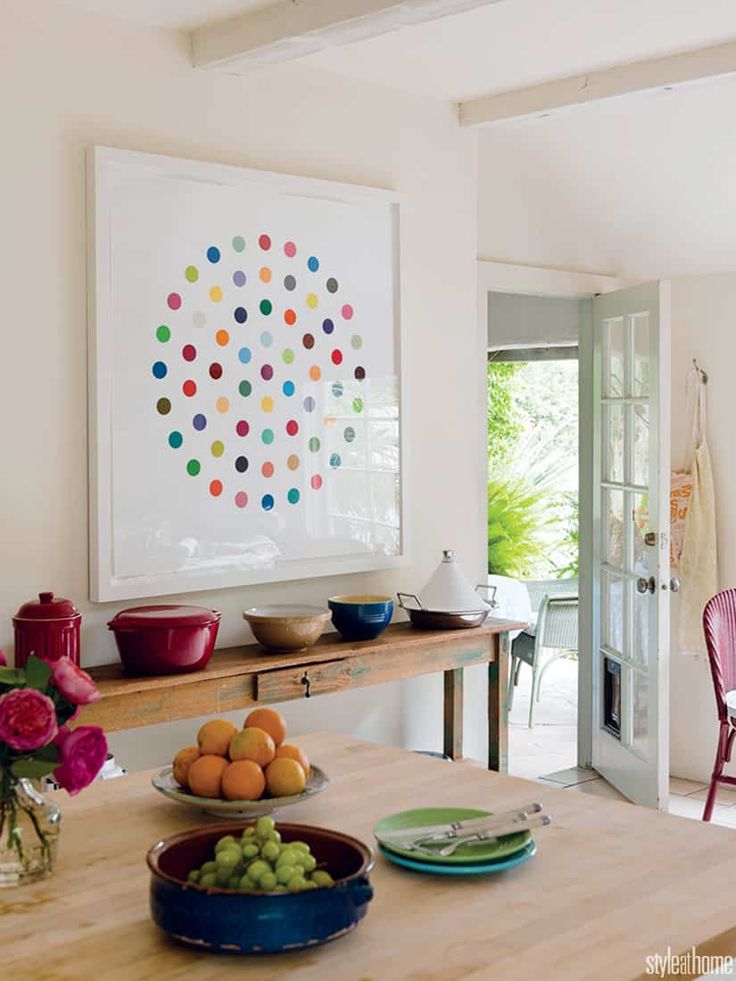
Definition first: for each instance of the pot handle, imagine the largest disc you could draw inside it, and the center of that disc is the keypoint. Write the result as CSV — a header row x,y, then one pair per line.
x,y
362,891
491,590
411,596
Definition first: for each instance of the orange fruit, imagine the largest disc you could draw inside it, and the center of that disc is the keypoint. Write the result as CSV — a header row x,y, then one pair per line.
x,y
270,721
205,776
182,761
243,780
214,737
252,744
294,753
285,777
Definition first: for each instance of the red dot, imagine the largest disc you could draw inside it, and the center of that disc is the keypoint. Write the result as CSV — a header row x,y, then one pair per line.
x,y
316,482
265,242
267,469
189,352
289,250
215,488
242,428
337,357
292,427
290,317
215,370
189,387
308,341
347,312
173,301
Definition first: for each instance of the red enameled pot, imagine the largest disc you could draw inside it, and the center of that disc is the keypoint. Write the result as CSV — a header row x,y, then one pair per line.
x,y
47,627
165,639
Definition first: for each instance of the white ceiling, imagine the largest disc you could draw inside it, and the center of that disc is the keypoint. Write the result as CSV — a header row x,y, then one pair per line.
x,y
178,14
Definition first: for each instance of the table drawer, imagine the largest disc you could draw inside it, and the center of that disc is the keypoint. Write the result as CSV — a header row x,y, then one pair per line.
x,y
304,681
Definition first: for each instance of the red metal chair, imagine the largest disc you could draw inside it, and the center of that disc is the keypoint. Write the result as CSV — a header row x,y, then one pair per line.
x,y
719,625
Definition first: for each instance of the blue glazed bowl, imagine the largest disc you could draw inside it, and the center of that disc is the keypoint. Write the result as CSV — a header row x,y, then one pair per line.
x,y
361,617
231,922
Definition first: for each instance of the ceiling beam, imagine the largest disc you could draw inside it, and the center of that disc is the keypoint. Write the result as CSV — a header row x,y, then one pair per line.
x,y
609,83
289,29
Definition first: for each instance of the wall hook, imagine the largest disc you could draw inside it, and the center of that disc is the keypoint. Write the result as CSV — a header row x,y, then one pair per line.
x,y
703,374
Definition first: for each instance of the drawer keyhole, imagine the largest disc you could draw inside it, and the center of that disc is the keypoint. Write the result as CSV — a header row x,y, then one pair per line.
x,y
307,684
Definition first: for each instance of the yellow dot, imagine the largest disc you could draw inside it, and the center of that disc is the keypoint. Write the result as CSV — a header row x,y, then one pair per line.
x,y
265,274
293,462
267,404
222,404
222,337
217,448
314,373
312,300
215,293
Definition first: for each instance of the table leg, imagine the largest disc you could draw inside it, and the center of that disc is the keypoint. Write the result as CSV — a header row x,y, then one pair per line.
x,y
453,722
498,679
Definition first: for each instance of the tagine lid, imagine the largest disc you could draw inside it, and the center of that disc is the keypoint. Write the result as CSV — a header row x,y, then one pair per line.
x,y
48,607
448,591
164,615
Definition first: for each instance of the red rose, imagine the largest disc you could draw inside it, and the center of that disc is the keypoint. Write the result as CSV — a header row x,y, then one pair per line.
x,y
81,755
27,719
75,685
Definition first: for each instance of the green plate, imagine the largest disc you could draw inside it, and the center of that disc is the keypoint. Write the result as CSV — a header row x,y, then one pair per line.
x,y
427,816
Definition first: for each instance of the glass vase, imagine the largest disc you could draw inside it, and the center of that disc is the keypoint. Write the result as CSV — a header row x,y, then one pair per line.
x,y
29,832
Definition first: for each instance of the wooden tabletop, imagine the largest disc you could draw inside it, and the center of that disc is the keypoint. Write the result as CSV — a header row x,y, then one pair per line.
x,y
611,885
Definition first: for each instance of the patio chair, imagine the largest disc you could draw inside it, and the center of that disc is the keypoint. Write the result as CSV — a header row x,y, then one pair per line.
x,y
555,603
719,626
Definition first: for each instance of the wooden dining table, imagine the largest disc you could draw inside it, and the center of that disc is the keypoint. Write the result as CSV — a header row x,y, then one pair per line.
x,y
611,885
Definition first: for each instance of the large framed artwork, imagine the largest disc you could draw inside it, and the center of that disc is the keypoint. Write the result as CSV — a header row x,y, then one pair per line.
x,y
245,380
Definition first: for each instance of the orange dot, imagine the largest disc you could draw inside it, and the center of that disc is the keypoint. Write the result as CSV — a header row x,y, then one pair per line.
x,y
216,488
222,404
315,373
267,469
265,274
222,337
189,387
293,462
290,317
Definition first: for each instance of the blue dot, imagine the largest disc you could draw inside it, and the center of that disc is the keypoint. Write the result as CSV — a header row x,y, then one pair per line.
x,y
313,263
175,440
213,253
240,314
288,388
199,422
337,389
239,277
267,502
244,355
328,326
159,369
293,496
266,339
309,404
335,461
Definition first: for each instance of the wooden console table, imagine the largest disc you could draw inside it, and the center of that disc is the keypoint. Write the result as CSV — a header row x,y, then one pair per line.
x,y
240,677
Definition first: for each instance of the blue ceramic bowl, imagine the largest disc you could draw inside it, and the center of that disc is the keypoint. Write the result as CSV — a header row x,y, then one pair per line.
x,y
232,922
361,617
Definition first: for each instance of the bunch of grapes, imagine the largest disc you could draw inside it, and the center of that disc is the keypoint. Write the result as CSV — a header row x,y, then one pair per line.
x,y
260,861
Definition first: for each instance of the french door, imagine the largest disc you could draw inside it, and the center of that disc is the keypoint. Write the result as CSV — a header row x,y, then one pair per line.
x,y
630,569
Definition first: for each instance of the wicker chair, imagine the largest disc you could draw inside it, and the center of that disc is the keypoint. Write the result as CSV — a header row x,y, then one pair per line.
x,y
555,602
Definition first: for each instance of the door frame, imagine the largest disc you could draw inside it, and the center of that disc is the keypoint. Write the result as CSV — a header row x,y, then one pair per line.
x,y
503,277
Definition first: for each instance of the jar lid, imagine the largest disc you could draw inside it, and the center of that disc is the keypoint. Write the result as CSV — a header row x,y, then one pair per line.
x,y
47,607
164,615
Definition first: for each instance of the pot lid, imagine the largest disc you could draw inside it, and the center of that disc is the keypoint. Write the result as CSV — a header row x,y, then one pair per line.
x,y
47,607
164,615
448,591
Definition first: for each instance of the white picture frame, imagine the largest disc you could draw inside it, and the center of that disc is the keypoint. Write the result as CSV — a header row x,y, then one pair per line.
x,y
141,505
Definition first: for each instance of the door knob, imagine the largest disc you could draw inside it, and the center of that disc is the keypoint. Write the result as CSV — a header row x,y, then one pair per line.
x,y
646,585
650,539
674,585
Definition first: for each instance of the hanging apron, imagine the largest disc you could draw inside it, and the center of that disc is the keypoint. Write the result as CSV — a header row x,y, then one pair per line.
x,y
698,562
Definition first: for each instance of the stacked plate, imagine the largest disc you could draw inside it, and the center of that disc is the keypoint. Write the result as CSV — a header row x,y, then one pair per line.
x,y
476,858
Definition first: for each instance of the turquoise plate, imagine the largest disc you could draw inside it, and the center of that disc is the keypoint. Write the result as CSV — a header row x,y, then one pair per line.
x,y
477,868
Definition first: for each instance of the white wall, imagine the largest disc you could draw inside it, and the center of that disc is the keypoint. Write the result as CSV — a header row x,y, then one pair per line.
x,y
69,79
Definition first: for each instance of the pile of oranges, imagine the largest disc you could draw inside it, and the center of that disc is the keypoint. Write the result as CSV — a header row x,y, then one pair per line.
x,y
243,764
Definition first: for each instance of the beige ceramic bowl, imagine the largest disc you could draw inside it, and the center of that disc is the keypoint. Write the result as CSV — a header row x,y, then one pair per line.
x,y
286,628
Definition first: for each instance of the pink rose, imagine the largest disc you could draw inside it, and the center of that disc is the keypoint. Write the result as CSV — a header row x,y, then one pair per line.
x,y
3,659
81,755
27,719
75,685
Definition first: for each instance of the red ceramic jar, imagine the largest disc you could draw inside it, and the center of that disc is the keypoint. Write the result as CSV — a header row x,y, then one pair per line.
x,y
47,627
165,639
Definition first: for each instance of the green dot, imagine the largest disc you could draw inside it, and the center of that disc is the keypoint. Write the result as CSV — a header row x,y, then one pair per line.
x,y
245,388
193,467
293,496
314,444
357,405
163,333
163,407
191,274
288,356
217,448
175,440
265,306
238,243
267,436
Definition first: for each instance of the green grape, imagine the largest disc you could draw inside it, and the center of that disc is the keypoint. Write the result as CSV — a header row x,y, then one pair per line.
x,y
249,832
267,881
208,867
296,883
193,876
273,836
223,876
270,851
225,842
287,857
279,889
208,880
233,882
257,869
309,885
246,883
228,858
307,862
322,878
301,846
284,873
250,851
264,825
